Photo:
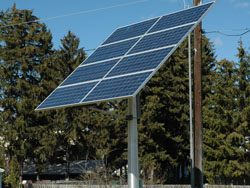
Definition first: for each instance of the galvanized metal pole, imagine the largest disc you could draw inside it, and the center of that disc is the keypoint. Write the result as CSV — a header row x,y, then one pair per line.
x,y
198,136
133,164
191,113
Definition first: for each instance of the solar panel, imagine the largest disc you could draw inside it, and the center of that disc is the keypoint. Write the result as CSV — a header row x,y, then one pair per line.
x,y
161,39
64,96
90,72
122,65
117,87
139,62
130,31
111,51
181,17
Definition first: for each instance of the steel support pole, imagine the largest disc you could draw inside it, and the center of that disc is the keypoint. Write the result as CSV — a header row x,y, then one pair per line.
x,y
198,135
191,113
133,164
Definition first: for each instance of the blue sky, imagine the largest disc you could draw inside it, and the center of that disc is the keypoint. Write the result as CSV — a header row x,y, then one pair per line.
x,y
93,27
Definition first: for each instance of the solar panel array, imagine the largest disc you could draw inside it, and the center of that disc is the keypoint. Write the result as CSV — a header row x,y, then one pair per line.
x,y
123,63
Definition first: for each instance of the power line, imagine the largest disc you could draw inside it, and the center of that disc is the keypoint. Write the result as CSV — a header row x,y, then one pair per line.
x,y
77,13
230,35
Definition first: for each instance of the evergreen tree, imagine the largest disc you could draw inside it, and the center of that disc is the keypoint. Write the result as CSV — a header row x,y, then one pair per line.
x,y
118,155
91,132
164,125
25,45
226,127
13,177
165,119
240,139
69,56
67,122
218,119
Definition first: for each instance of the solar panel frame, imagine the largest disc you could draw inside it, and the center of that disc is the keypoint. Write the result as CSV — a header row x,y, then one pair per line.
x,y
121,58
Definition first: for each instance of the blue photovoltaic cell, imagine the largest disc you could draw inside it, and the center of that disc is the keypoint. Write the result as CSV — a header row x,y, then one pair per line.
x,y
130,31
111,51
89,72
137,49
67,95
117,87
180,18
161,39
140,62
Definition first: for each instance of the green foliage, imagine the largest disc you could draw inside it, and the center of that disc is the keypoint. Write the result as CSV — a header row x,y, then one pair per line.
x,y
13,177
226,124
66,128
218,113
24,51
117,154
164,125
240,140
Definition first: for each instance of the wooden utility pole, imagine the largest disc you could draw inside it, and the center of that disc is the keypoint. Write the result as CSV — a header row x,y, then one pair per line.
x,y
198,134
